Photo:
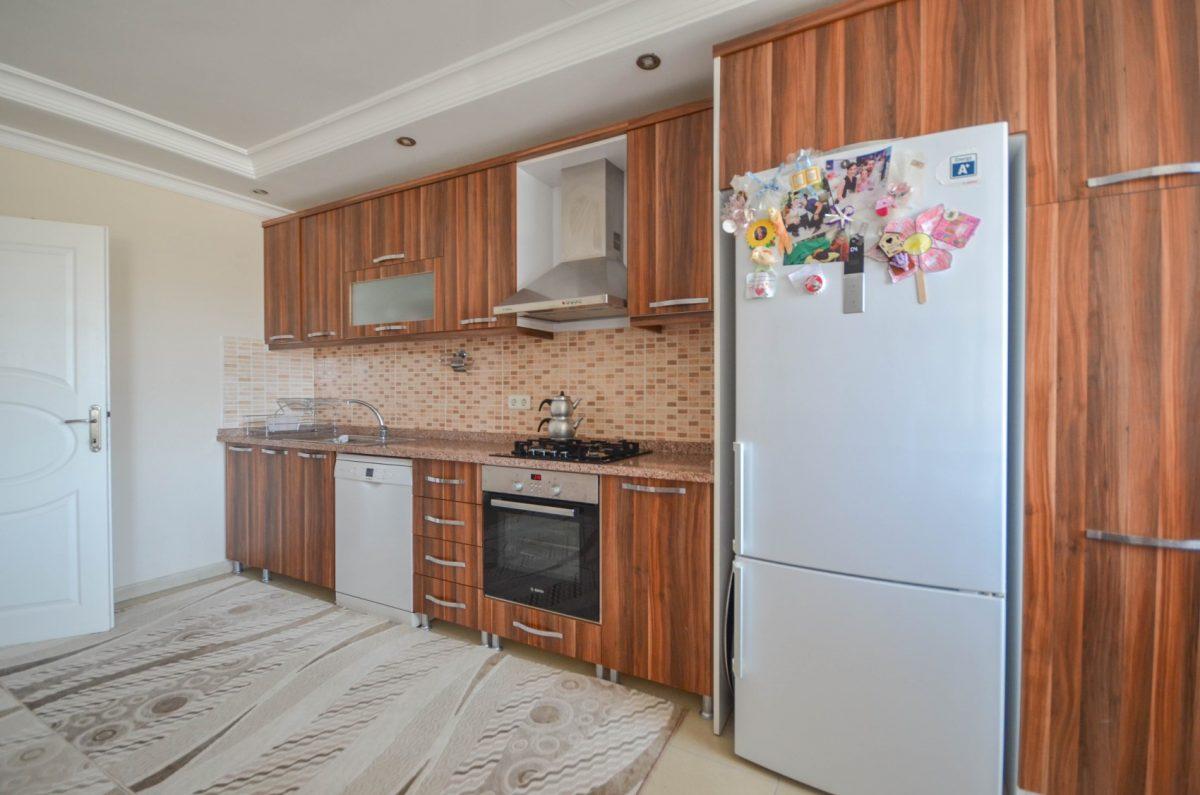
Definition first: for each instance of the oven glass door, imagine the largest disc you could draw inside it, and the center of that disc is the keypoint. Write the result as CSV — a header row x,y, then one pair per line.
x,y
542,553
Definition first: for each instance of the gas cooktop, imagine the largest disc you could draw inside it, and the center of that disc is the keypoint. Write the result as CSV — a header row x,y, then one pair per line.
x,y
590,451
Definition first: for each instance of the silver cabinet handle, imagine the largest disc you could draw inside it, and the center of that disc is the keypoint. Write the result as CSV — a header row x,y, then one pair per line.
x,y
314,456
541,633
452,522
678,302
443,481
278,337
1184,544
552,510
654,489
388,257
233,449
93,423
1144,173
466,321
268,451
454,564
391,328
444,603
312,334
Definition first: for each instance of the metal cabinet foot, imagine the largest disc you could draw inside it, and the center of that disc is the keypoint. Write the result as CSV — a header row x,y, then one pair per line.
x,y
706,707
266,576
237,567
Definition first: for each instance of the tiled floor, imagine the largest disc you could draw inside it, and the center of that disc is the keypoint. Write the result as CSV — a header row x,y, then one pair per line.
x,y
695,761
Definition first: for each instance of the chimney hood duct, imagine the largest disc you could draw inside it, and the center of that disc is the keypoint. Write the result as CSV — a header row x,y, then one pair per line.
x,y
591,280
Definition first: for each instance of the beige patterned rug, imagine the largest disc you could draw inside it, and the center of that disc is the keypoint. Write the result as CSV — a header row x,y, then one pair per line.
x,y
236,686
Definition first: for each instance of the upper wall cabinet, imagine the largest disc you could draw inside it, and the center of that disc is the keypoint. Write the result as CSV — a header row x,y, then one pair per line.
x,y
321,272
481,250
669,190
281,284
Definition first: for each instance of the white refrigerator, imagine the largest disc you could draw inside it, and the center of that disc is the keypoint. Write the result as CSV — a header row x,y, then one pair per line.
x,y
871,509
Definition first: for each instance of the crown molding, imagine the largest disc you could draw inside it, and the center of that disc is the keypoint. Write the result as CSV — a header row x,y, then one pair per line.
x,y
115,167
47,95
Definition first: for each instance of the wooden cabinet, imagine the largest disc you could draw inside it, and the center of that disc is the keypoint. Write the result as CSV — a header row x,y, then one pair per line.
x,y
550,631
1111,647
279,511
445,560
456,522
397,327
281,284
449,601
670,223
656,602
447,480
406,226
481,253
321,258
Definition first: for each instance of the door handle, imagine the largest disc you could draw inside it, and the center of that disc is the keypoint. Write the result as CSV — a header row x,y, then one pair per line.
x,y
388,257
541,633
677,302
445,603
739,494
1144,173
436,520
738,665
654,489
1185,544
455,564
93,422
443,481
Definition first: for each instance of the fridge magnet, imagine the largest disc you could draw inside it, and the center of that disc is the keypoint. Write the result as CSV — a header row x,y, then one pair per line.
x,y
804,214
912,246
760,284
781,233
809,279
760,233
764,257
736,214
840,215
955,228
858,181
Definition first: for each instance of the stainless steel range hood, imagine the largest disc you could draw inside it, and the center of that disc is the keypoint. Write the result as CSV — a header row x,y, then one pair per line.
x,y
591,280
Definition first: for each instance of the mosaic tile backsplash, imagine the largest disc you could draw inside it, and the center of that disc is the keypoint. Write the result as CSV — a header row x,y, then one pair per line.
x,y
253,378
634,384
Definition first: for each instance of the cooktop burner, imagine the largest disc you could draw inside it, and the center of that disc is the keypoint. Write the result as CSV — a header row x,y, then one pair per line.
x,y
593,451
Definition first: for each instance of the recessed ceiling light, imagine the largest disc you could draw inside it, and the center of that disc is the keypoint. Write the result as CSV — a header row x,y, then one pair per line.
x,y
405,140
648,61
260,191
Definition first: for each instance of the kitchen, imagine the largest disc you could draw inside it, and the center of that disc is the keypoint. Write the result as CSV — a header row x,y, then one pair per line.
x,y
736,445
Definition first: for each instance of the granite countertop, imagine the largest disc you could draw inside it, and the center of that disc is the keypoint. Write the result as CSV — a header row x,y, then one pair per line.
x,y
688,461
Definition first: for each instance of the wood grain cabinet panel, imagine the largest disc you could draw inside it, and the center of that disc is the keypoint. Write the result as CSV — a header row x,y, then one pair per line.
x,y
456,481
445,520
406,226
481,249
656,559
1111,647
272,511
282,300
669,173
239,505
444,560
550,631
308,538
449,601
321,273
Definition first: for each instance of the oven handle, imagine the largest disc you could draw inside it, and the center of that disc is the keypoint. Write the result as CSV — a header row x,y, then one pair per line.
x,y
553,510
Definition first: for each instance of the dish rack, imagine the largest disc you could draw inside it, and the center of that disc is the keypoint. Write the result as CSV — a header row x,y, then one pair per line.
x,y
294,415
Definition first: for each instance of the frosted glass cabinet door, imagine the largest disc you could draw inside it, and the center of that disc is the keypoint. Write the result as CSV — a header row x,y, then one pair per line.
x,y
392,300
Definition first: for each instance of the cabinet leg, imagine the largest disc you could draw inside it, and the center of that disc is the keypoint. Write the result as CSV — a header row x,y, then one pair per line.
x,y
494,642
609,674
266,576
422,620
706,707
485,638
237,567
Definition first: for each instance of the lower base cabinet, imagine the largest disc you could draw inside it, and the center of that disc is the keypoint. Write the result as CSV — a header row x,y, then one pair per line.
x,y
449,601
550,631
279,511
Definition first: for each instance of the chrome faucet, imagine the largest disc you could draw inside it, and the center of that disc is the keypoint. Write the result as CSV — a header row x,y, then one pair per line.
x,y
378,417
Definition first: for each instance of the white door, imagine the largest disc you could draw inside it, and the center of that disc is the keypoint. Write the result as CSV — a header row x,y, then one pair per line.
x,y
861,687
55,541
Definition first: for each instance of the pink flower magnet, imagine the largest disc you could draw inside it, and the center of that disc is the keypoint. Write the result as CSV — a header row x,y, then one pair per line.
x,y
921,243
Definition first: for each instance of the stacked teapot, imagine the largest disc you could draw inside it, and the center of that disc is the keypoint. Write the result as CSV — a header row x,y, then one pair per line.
x,y
559,421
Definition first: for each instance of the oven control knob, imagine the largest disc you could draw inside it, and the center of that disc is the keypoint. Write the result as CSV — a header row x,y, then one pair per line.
x,y
518,485
556,489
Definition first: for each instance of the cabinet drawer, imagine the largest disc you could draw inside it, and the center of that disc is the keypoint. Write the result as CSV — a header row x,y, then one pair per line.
x,y
459,522
443,560
447,480
549,631
448,601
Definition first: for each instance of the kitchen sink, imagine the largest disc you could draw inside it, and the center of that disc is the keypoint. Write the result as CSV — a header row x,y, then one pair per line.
x,y
350,438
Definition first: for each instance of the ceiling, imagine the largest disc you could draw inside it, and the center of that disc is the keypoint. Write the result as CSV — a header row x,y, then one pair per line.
x,y
304,98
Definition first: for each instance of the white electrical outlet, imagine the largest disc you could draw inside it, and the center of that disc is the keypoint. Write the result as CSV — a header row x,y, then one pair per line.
x,y
519,401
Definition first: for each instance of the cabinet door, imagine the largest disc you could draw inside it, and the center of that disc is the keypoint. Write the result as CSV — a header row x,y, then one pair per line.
x,y
656,602
240,496
670,216
1128,91
308,538
271,509
481,251
391,303
320,253
1111,651
408,225
281,283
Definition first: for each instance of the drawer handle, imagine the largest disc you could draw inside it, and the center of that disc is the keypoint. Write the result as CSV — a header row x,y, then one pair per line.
x,y
233,449
278,337
654,489
454,564
391,328
388,257
1185,544
452,522
467,321
267,451
314,456
312,334
444,603
541,633
1144,173
443,481
678,302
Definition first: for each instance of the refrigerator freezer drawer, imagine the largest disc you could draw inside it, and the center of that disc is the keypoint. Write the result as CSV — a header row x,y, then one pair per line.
x,y
860,686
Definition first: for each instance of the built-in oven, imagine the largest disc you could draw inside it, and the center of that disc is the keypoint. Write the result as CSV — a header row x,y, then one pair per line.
x,y
541,539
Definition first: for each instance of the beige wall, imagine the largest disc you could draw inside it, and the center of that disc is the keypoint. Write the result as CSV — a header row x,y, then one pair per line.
x,y
182,273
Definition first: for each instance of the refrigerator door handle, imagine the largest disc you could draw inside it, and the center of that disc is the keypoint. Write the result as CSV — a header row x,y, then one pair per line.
x,y
739,496
739,658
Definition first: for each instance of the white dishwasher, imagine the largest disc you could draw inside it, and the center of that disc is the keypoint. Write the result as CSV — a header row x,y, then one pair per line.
x,y
374,499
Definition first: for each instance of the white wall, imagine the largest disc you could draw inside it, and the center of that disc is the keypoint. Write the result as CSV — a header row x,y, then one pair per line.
x,y
183,273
